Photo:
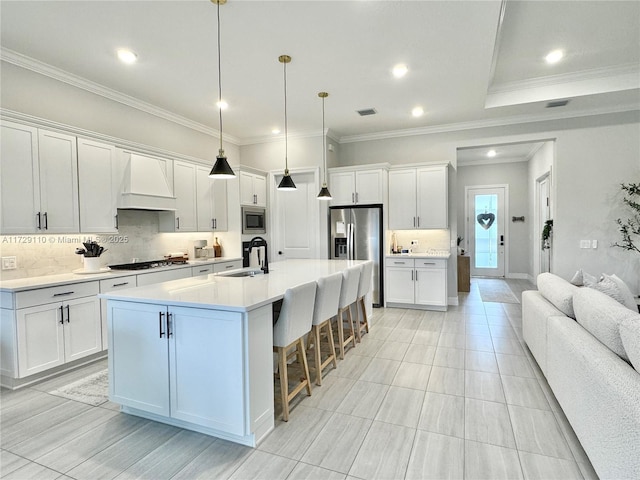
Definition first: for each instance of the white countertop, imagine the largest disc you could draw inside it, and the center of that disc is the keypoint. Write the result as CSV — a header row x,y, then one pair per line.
x,y
431,254
29,283
240,294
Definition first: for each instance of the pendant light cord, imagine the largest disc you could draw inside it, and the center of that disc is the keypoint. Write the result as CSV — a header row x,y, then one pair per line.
x,y
324,145
219,81
286,149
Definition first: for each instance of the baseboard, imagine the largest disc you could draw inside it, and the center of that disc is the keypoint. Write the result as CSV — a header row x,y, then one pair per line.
x,y
452,301
519,276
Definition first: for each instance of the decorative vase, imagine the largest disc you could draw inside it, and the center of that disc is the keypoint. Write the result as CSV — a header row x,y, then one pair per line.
x,y
91,264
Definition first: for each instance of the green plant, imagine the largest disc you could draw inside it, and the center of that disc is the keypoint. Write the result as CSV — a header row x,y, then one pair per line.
x,y
460,240
630,229
546,234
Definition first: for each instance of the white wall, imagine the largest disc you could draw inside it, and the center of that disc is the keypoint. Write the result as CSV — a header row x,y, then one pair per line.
x,y
539,165
515,175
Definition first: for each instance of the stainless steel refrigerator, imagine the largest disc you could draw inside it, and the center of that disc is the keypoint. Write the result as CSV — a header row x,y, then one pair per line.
x,y
355,233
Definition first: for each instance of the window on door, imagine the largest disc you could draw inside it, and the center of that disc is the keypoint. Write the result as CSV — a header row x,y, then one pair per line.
x,y
486,231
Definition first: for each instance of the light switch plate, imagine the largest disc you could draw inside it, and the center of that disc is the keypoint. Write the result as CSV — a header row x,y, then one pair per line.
x,y
585,244
9,263
594,243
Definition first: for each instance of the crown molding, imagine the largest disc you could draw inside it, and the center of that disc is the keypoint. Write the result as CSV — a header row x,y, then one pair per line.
x,y
280,138
491,161
55,73
497,122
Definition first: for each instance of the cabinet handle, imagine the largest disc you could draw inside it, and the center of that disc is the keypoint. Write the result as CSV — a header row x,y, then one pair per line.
x,y
160,317
61,315
356,197
169,319
178,221
68,315
353,198
414,222
120,284
399,263
418,222
412,275
204,270
416,275
46,221
255,201
229,266
62,294
429,263
213,224
116,217
39,222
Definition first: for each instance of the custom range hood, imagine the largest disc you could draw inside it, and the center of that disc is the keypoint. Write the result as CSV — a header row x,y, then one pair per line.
x,y
147,183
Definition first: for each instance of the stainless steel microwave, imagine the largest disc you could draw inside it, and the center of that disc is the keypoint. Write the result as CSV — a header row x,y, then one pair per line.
x,y
254,220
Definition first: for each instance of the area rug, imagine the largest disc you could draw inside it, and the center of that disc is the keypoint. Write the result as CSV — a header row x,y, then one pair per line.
x,y
93,390
495,290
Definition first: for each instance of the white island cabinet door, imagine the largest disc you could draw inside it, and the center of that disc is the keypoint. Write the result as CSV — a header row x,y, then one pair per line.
x,y
82,328
138,356
206,368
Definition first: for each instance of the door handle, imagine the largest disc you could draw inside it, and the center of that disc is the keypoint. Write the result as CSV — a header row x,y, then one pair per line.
x,y
68,315
502,240
178,221
61,315
160,317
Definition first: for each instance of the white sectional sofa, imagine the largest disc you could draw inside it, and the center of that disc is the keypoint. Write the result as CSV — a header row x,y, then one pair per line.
x,y
587,345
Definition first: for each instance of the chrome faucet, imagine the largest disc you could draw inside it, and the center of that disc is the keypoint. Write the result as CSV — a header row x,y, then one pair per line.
x,y
260,242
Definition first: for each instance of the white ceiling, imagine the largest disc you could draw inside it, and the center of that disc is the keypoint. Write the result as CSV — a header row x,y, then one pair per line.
x,y
463,57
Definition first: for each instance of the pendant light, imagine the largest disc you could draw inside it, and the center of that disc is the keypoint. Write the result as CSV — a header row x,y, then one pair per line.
x,y
221,168
324,191
286,184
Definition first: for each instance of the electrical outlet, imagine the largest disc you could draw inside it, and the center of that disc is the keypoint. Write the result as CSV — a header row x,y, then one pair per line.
x,y
414,243
585,244
594,243
9,263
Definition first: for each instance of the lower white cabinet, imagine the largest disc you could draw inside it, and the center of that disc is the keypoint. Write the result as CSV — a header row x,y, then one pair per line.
x,y
190,358
53,334
418,283
111,285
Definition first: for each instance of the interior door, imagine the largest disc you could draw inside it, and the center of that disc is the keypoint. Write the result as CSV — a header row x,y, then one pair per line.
x,y
296,224
544,214
486,230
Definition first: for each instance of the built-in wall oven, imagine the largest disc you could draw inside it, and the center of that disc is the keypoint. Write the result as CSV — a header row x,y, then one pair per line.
x,y
254,220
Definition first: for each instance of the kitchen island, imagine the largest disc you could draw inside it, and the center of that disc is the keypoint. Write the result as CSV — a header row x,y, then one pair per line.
x,y
197,352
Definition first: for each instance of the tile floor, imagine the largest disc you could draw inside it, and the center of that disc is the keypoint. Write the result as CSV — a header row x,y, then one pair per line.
x,y
426,395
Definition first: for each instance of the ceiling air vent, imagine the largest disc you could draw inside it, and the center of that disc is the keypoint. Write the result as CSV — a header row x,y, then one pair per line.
x,y
557,103
367,111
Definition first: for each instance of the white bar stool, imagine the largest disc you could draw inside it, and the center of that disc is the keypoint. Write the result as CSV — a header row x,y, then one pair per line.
x,y
293,323
327,299
348,296
363,288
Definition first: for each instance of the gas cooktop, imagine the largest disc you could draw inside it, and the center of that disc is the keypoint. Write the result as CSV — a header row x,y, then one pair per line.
x,y
146,265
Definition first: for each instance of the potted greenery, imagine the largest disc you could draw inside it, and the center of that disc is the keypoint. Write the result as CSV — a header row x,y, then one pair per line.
x,y
546,234
460,249
630,229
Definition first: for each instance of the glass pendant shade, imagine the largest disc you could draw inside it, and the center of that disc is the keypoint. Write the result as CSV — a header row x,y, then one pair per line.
x,y
221,168
286,184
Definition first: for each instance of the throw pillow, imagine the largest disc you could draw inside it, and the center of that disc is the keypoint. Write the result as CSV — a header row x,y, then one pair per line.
x,y
583,279
557,291
630,335
627,297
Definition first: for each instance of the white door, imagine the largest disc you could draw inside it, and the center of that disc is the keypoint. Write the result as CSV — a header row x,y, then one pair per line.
x,y
206,368
486,230
40,338
82,328
544,214
431,186
342,188
139,365
369,187
431,286
400,285
402,199
296,225
184,188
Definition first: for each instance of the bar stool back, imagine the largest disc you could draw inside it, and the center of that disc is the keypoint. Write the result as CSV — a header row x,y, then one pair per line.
x,y
293,323
364,286
348,296
327,299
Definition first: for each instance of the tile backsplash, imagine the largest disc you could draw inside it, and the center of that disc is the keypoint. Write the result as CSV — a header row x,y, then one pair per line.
x,y
137,237
427,239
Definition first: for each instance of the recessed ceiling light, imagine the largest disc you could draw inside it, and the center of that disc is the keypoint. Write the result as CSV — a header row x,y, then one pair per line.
x,y
554,56
222,105
400,70
491,153
275,131
417,112
127,56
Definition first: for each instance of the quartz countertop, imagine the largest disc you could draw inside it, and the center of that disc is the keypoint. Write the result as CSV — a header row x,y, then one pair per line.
x,y
240,294
29,283
427,254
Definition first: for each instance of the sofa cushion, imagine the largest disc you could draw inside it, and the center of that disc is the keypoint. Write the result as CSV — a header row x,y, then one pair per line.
x,y
630,335
624,295
582,278
601,316
558,291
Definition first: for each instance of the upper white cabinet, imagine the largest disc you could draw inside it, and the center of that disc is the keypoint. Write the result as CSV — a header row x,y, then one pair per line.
x,y
97,186
418,198
351,187
184,188
39,179
253,189
211,202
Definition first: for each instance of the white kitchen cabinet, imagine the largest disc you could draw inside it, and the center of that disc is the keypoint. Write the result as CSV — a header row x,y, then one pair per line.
x,y
211,202
352,187
111,285
202,270
226,266
194,357
184,188
417,283
39,179
418,198
56,333
97,186
253,189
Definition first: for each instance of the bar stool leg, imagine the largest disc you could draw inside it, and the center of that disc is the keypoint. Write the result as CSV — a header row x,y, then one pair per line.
x,y
341,333
364,324
318,358
303,356
351,326
284,382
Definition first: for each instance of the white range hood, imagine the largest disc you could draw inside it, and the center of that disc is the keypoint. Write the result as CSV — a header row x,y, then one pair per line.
x,y
147,183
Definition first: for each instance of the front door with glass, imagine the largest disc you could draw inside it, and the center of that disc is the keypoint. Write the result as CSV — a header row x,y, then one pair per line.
x,y
486,230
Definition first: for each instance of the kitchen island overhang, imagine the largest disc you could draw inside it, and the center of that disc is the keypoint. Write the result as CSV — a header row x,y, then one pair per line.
x,y
197,353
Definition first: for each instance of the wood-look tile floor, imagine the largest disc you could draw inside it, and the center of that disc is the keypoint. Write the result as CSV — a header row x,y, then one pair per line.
x,y
425,395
